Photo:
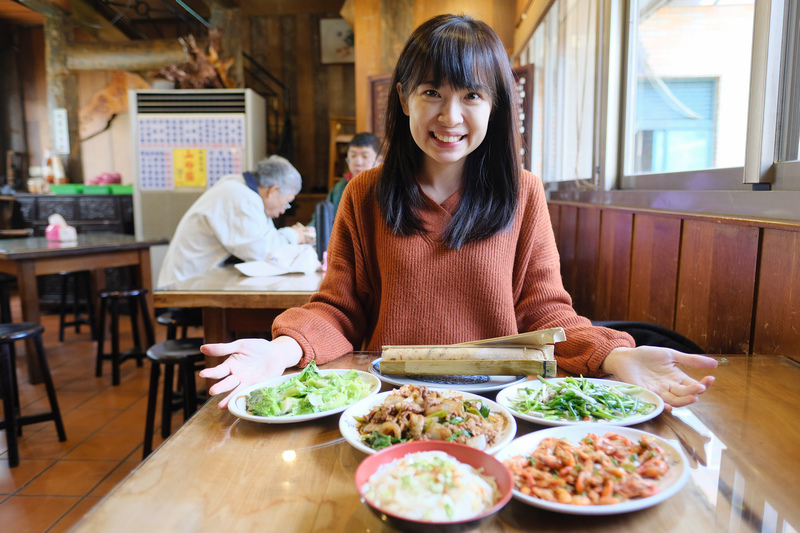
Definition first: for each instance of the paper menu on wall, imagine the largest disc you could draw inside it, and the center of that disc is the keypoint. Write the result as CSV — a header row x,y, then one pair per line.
x,y
164,141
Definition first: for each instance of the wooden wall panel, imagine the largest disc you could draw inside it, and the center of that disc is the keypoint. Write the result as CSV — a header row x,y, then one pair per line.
x,y
616,228
654,269
288,46
586,262
717,284
555,212
567,233
777,318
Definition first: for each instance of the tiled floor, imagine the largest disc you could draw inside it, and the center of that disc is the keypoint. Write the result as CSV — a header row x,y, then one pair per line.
x,y
57,482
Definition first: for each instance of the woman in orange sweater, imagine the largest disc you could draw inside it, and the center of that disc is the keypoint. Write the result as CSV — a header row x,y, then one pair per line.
x,y
450,239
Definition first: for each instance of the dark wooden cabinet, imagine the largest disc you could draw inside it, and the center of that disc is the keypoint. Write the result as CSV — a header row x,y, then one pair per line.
x,y
101,213
88,213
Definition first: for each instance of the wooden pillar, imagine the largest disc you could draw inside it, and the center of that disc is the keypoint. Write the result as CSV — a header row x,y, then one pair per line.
x,y
229,22
62,88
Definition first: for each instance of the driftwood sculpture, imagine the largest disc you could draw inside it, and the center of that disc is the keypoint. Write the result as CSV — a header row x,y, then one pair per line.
x,y
202,71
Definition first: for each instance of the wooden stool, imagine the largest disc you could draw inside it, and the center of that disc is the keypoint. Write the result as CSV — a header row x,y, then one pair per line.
x,y
110,301
13,422
82,283
180,318
185,354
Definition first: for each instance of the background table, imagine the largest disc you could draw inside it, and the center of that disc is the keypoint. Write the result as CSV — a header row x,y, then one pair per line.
x,y
34,256
220,473
233,302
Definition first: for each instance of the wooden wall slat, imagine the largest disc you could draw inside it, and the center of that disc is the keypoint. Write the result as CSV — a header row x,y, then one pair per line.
x,y
567,233
654,269
616,229
586,262
716,285
777,320
555,212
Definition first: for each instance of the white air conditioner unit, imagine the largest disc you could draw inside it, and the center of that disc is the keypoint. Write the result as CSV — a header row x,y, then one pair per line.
x,y
184,141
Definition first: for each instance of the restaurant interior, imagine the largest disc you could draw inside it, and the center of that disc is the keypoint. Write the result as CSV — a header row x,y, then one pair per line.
x,y
666,134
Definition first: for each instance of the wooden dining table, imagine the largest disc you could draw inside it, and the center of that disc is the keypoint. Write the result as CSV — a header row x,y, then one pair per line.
x,y
222,473
30,257
233,302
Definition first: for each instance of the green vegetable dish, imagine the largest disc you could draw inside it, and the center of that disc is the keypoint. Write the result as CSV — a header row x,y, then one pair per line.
x,y
308,392
579,399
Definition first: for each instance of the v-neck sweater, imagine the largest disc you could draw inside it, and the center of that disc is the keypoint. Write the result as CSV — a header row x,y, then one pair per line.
x,y
382,288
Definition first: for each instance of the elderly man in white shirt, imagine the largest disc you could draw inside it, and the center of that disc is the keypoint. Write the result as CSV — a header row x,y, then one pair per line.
x,y
234,218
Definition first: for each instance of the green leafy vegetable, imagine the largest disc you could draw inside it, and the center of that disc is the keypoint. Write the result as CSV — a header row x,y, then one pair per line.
x,y
579,399
308,392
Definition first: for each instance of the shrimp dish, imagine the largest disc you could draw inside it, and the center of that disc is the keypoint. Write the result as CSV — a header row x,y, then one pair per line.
x,y
418,413
597,471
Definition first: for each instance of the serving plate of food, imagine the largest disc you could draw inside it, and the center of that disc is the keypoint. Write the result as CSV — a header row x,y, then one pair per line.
x,y
594,470
305,395
465,383
414,413
402,485
577,400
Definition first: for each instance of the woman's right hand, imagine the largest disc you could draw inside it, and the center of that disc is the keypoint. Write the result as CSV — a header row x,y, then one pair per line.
x,y
249,361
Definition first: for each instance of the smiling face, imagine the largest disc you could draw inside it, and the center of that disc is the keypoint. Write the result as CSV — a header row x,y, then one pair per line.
x,y
446,123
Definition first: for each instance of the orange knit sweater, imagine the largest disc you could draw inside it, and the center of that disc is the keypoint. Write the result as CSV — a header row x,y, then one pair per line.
x,y
382,288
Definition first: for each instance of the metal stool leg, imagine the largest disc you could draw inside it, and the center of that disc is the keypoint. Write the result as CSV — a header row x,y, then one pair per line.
x,y
87,285
50,387
166,401
9,406
189,390
138,347
148,324
101,336
152,400
115,354
63,307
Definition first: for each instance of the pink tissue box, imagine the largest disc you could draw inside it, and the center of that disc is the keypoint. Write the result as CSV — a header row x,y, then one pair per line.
x,y
60,233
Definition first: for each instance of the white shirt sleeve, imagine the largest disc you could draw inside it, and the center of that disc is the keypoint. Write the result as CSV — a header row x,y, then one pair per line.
x,y
240,224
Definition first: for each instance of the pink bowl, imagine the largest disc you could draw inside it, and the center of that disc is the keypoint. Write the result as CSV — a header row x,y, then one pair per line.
x,y
466,454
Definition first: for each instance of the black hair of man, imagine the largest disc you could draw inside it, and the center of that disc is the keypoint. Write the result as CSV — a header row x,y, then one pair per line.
x,y
365,138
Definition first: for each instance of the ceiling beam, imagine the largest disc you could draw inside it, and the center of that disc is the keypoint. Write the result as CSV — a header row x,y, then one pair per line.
x,y
131,55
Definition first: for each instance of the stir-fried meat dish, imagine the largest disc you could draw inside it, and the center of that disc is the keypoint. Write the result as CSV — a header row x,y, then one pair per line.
x,y
419,413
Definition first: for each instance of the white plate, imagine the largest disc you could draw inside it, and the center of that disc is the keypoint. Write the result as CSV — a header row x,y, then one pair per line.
x,y
668,485
459,383
348,425
237,405
505,397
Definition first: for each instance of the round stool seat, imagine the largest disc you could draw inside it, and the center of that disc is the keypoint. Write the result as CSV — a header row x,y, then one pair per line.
x,y
14,331
122,293
175,350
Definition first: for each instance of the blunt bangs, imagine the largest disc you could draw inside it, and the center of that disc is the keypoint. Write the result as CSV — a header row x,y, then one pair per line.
x,y
458,54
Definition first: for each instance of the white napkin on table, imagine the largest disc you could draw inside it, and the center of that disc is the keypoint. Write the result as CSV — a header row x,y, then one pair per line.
x,y
291,258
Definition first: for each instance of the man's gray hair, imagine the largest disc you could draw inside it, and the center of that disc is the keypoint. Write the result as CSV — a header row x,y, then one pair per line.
x,y
275,170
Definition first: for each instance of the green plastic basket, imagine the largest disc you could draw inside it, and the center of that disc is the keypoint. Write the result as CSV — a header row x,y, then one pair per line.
x,y
121,189
96,189
67,188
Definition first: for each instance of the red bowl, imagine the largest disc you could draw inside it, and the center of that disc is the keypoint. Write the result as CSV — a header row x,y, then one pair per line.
x,y
466,454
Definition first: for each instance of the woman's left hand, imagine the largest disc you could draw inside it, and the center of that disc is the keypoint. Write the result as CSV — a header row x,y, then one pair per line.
x,y
656,369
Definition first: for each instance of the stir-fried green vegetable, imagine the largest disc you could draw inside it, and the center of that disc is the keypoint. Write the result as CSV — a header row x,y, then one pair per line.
x,y
308,392
579,399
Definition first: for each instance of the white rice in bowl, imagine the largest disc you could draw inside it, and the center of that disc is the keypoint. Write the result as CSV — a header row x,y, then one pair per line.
x,y
432,487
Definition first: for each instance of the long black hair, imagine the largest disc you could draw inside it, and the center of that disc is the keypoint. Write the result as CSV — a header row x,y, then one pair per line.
x,y
466,54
